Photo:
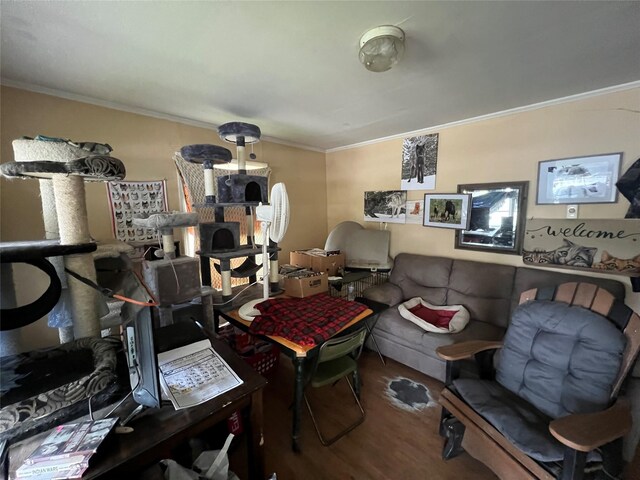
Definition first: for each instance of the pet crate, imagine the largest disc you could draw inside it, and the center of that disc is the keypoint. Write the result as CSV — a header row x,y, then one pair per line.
x,y
353,284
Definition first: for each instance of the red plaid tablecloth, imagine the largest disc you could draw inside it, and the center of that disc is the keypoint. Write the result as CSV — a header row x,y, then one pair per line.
x,y
305,321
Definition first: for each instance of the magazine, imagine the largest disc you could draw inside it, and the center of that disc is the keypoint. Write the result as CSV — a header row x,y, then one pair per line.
x,y
66,451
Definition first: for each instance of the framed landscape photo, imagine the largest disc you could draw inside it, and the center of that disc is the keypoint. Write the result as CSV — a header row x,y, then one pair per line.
x,y
590,179
447,210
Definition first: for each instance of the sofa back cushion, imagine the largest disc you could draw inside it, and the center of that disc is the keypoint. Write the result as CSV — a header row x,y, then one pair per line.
x,y
483,288
560,358
422,276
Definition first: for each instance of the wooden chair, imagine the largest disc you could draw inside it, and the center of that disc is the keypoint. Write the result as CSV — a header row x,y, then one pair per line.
x,y
579,433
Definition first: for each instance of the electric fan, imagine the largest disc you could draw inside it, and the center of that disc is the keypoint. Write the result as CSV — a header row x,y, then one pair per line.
x,y
274,219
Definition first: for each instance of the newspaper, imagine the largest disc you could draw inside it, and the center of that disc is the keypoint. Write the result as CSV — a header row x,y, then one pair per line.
x,y
66,451
193,374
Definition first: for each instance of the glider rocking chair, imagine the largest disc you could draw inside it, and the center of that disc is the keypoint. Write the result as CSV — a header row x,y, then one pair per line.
x,y
549,408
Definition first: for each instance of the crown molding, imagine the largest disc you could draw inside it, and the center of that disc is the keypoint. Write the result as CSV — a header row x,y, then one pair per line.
x,y
138,111
213,127
503,113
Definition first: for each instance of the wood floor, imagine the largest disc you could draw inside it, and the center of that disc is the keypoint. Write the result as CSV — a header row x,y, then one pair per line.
x,y
391,443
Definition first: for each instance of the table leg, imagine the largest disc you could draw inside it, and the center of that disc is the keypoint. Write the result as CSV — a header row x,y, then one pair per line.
x,y
370,334
298,363
255,436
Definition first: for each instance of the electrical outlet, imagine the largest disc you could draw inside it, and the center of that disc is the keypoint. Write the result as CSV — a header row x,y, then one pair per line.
x,y
572,211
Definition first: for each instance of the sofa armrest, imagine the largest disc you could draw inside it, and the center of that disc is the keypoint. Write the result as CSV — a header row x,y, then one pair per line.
x,y
386,293
584,432
460,351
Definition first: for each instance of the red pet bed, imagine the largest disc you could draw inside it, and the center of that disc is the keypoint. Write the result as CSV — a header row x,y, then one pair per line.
x,y
433,318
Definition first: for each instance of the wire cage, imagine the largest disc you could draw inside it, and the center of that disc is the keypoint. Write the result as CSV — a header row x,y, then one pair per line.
x,y
353,284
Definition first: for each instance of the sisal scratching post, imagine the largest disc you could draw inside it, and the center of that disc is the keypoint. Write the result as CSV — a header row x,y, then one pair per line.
x,y
68,164
51,231
74,228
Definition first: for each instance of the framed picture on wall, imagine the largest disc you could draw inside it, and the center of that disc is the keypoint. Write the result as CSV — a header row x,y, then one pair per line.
x,y
590,179
446,210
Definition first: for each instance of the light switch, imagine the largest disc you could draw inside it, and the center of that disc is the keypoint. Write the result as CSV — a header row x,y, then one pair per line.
x,y
572,211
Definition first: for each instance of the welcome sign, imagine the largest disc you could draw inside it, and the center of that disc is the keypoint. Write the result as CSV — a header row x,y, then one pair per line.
x,y
611,246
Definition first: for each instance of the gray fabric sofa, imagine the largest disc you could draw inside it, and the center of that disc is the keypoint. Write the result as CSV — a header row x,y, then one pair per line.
x,y
489,291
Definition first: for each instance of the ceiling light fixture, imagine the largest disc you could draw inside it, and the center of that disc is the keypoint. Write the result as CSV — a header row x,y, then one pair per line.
x,y
381,48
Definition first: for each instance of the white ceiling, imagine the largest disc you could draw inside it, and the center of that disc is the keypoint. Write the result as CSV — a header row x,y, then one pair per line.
x,y
292,67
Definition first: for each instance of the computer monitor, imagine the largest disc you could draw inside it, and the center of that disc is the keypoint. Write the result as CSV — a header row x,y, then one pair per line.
x,y
144,339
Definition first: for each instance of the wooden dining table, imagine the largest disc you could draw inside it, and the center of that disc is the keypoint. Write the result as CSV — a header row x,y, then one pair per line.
x,y
300,355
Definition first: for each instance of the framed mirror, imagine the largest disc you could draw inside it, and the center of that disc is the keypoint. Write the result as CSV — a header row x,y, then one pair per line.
x,y
497,217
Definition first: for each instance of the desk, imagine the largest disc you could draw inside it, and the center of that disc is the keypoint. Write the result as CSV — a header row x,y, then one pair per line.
x,y
299,356
158,431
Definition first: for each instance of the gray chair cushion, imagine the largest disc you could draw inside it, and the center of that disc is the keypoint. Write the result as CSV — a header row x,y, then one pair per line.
x,y
519,421
562,359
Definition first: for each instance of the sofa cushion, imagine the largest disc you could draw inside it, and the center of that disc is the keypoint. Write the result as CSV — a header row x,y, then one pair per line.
x,y
406,333
391,323
422,276
483,288
475,330
562,359
386,293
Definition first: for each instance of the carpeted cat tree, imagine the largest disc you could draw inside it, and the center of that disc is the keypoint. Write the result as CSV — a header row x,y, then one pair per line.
x,y
62,167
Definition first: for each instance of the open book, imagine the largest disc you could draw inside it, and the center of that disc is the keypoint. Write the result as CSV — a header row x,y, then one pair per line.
x,y
66,451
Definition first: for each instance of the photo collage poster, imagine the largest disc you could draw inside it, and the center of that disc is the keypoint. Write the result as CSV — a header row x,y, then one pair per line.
x,y
130,199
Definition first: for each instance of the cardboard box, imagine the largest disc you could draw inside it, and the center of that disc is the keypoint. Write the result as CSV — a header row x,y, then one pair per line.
x,y
318,261
301,287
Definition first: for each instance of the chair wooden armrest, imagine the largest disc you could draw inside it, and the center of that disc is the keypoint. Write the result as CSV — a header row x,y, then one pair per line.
x,y
460,351
584,432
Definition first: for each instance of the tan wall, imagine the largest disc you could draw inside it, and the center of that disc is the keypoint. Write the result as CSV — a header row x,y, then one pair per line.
x,y
146,146
500,149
